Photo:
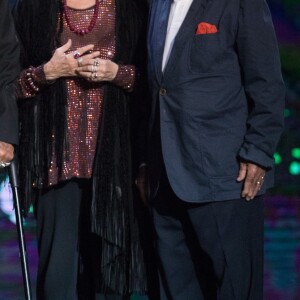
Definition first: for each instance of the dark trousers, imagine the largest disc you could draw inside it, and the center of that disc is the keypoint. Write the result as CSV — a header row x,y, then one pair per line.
x,y
65,242
209,251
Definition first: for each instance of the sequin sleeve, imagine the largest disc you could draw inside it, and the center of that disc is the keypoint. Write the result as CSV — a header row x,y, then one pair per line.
x,y
125,77
31,81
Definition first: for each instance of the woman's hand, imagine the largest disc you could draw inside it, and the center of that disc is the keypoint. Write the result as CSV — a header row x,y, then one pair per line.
x,y
97,70
65,65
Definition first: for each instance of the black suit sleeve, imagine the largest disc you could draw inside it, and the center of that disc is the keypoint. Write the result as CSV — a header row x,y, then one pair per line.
x,y
264,87
9,71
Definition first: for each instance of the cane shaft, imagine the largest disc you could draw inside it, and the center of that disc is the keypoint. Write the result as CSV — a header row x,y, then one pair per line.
x,y
23,253
21,238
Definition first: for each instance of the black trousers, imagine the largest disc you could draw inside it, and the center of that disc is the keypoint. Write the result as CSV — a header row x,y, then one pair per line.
x,y
65,242
209,251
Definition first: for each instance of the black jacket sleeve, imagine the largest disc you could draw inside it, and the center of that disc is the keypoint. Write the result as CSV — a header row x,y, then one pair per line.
x,y
9,71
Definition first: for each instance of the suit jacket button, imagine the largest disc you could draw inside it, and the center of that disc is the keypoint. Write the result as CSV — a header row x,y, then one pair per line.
x,y
162,91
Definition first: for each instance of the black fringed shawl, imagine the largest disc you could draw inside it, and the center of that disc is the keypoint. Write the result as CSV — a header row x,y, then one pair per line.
x,y
122,269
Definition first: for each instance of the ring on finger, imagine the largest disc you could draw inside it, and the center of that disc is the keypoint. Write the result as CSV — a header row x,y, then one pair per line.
x,y
2,164
94,68
95,75
76,54
260,181
79,61
96,62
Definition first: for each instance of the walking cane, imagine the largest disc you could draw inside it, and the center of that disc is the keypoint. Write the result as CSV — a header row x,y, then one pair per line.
x,y
19,222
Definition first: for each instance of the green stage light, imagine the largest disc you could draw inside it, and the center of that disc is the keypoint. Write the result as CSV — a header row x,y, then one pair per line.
x,y
295,168
287,112
296,153
277,158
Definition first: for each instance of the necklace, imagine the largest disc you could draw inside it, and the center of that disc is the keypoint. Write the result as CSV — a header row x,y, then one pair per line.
x,y
75,28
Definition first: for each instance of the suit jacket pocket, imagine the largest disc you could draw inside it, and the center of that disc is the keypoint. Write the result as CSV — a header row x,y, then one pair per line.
x,y
204,49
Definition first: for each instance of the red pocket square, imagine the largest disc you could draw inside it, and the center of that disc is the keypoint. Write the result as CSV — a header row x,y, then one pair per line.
x,y
206,28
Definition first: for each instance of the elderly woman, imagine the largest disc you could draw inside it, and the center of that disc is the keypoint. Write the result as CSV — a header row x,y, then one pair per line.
x,y
80,64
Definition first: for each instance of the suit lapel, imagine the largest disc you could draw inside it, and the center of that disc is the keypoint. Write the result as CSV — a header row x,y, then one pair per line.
x,y
189,25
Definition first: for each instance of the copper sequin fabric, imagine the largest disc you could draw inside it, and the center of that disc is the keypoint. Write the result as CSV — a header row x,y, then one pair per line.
x,y
84,97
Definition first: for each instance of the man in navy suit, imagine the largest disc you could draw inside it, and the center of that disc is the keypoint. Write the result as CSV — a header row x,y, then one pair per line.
x,y
217,114
9,70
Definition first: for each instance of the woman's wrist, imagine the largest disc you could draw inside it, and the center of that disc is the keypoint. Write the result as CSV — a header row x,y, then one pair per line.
x,y
125,77
49,72
31,81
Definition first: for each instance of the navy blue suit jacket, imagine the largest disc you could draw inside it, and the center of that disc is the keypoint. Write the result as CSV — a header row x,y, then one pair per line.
x,y
220,99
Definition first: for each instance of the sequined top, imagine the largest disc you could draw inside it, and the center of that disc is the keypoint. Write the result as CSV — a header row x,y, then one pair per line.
x,y
84,98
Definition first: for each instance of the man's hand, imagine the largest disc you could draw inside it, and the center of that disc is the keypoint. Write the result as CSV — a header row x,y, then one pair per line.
x,y
142,184
6,154
253,177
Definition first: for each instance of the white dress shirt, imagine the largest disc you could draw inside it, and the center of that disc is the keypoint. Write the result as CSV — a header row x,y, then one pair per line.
x,y
178,11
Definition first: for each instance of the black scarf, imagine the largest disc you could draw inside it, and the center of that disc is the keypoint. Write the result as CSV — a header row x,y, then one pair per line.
x,y
112,212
